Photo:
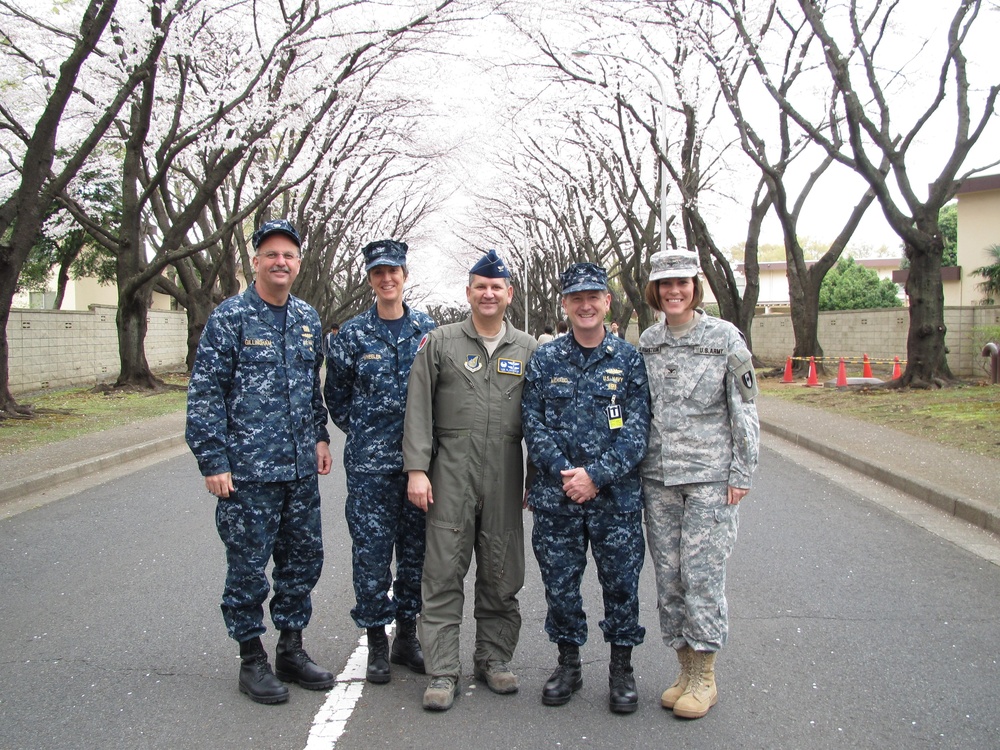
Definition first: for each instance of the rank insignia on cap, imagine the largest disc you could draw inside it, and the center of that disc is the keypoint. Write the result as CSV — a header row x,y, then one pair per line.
x,y
491,266
473,363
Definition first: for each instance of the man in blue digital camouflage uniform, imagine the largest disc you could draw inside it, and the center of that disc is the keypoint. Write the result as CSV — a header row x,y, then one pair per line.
x,y
257,425
366,377
585,411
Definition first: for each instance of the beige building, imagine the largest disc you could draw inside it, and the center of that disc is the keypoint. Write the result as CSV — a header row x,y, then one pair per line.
x,y
80,295
978,229
774,298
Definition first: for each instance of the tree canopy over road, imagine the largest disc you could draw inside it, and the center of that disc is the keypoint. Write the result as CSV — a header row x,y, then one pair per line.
x,y
158,133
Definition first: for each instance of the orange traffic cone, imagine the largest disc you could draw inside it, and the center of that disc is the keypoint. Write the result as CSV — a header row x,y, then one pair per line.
x,y
897,373
788,372
812,380
867,372
841,374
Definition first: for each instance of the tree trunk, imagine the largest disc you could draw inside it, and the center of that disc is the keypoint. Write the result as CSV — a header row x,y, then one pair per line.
x,y
804,303
62,281
8,406
199,306
926,353
12,258
132,319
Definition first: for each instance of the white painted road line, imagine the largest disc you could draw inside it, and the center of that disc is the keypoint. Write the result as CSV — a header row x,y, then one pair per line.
x,y
331,719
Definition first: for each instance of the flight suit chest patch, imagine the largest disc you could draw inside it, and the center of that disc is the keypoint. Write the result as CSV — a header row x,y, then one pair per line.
x,y
510,367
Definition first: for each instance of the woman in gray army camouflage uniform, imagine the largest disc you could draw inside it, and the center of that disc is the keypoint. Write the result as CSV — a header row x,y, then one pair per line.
x,y
703,443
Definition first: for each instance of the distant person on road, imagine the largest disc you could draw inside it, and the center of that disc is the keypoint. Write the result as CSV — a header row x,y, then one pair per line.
x,y
257,425
328,338
703,443
366,377
462,449
614,328
546,336
585,410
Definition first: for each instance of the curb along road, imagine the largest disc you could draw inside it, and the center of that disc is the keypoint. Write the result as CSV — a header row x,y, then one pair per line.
x,y
957,504
52,477
965,508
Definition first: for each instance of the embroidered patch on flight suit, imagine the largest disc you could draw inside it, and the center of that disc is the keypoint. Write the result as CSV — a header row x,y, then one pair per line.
x,y
423,341
510,367
473,363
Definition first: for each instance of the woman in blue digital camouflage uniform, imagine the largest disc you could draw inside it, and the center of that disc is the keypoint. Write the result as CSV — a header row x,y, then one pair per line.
x,y
703,443
368,369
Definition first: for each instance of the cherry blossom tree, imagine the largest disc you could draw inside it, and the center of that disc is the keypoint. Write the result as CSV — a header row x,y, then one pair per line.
x,y
67,74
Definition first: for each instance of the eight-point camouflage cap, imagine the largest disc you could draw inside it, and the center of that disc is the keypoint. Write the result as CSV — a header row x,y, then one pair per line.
x,y
275,226
583,277
673,264
384,253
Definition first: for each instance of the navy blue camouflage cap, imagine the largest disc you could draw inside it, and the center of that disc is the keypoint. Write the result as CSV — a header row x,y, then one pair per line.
x,y
583,277
673,264
275,226
491,266
384,253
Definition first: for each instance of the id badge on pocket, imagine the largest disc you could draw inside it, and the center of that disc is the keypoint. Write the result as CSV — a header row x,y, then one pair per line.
x,y
614,412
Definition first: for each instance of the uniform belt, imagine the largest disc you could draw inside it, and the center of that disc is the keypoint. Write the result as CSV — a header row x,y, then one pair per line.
x,y
438,434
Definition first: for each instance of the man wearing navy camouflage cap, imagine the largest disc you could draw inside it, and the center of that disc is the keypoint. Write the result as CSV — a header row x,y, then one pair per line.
x,y
366,377
585,410
462,450
257,425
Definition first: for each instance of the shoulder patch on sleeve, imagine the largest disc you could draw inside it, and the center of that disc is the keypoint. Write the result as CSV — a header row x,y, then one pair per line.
x,y
423,341
740,364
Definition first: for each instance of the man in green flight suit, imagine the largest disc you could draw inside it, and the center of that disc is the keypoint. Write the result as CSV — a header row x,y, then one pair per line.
x,y
462,437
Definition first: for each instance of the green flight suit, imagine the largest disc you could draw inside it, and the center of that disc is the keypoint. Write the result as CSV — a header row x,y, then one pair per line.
x,y
463,428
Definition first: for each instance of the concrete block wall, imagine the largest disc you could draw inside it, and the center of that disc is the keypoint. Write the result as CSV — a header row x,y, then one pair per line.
x,y
60,349
881,334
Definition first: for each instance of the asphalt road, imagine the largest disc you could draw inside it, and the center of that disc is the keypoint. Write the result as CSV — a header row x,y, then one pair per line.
x,y
851,627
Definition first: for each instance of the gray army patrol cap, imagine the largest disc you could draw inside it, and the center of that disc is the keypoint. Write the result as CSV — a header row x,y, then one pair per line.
x,y
673,264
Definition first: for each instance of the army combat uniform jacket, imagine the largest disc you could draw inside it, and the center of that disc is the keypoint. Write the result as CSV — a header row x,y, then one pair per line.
x,y
704,426
254,402
591,413
366,379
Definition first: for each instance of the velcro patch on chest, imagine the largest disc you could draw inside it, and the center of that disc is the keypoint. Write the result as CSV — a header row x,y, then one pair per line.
x,y
510,367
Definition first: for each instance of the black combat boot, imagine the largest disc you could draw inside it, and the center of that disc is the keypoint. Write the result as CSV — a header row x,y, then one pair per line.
x,y
567,679
623,698
292,663
256,679
406,646
378,656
